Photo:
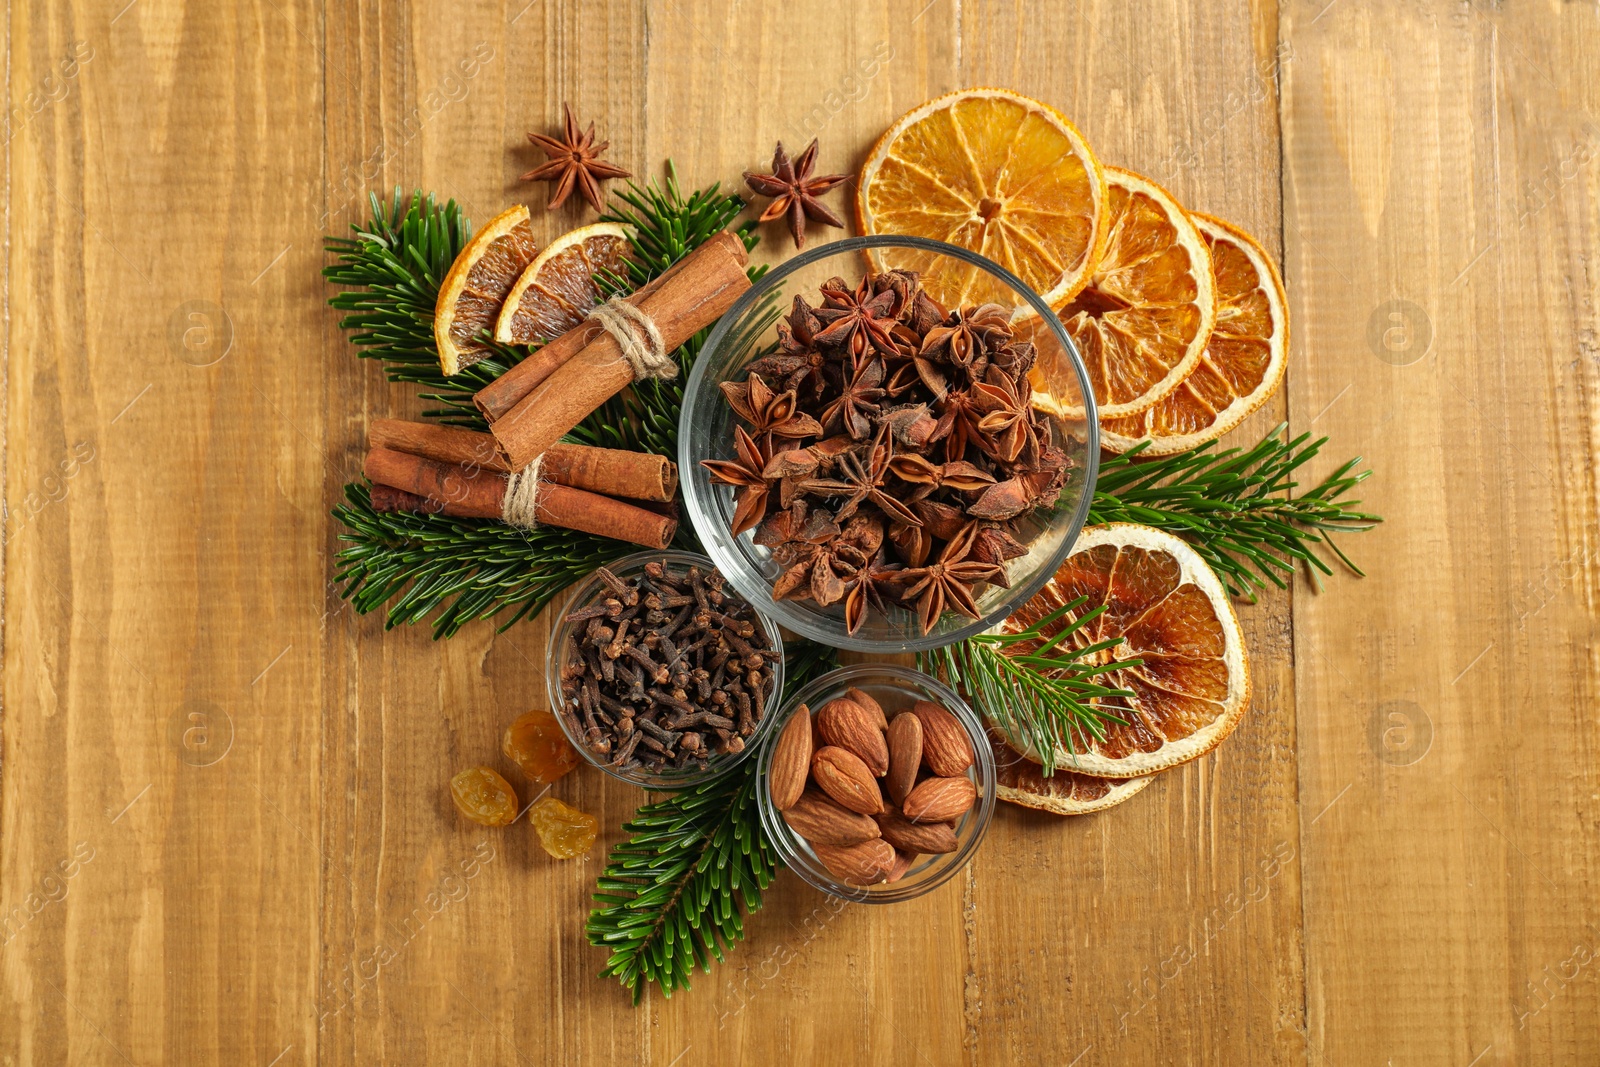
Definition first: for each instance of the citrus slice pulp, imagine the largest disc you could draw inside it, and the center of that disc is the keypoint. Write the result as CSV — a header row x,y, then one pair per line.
x,y
1167,608
558,289
1142,319
993,172
1243,361
477,284
1019,780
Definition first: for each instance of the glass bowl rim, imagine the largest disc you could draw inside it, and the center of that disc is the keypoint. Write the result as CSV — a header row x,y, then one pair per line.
x,y
988,774
684,780
798,621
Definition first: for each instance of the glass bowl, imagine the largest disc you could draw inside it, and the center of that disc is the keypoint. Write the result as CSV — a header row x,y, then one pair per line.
x,y
706,425
896,688
593,590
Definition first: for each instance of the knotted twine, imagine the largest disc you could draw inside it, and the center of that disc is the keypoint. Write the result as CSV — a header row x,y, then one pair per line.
x,y
640,342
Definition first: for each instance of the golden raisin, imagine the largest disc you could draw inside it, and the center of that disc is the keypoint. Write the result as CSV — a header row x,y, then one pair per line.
x,y
484,797
536,744
564,831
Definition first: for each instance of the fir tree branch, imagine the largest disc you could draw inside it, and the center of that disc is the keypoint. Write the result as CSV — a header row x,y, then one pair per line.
x,y
1235,507
1044,699
669,899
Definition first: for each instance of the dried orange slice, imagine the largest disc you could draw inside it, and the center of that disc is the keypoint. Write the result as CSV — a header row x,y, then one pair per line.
x,y
559,288
993,172
1021,781
1244,359
1142,320
1165,607
479,279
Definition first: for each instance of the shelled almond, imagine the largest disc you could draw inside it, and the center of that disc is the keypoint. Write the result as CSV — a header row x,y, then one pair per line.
x,y
870,792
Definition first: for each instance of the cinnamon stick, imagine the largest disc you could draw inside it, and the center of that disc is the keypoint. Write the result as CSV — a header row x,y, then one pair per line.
x,y
502,394
474,493
608,471
709,280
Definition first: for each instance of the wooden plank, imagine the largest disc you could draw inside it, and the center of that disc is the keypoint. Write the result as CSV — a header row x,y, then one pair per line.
x,y
1440,219
1167,929
447,942
164,460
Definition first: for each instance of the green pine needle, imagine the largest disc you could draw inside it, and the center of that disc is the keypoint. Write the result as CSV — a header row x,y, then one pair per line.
x,y
1234,507
1047,700
669,900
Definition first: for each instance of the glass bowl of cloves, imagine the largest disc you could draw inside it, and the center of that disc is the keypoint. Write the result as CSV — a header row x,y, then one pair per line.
x,y
877,783
878,471
660,674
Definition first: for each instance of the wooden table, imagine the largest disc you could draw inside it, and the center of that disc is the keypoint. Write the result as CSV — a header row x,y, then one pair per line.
x,y
224,794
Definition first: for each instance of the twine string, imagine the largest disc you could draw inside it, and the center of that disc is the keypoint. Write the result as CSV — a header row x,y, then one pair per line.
x,y
638,338
521,504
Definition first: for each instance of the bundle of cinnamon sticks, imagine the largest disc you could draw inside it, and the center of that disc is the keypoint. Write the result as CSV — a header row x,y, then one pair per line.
x,y
417,466
624,495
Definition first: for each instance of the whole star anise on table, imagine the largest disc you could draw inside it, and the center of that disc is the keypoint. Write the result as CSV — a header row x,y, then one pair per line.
x,y
574,161
794,191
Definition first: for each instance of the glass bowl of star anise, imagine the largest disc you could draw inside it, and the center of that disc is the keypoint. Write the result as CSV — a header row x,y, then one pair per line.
x,y
877,471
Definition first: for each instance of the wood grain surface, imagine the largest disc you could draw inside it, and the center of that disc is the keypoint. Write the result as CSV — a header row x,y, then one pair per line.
x,y
223,803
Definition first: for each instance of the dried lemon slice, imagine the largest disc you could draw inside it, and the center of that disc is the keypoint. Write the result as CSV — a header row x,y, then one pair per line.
x,y
1243,361
993,172
1167,608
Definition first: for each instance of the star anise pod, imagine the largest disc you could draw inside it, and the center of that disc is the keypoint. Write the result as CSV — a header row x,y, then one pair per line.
x,y
750,504
862,481
957,425
795,191
930,477
869,586
856,319
1006,425
777,414
574,161
966,337
950,582
858,395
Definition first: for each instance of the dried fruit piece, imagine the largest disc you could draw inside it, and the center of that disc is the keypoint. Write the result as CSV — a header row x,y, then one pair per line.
x,y
1168,608
536,743
902,833
472,293
564,831
905,756
850,726
865,864
484,797
872,707
822,822
946,748
791,760
940,800
841,774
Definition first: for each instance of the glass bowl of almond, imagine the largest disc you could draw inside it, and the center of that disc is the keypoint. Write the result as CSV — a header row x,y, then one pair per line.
x,y
876,783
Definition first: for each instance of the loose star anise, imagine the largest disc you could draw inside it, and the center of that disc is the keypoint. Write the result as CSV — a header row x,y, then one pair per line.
x,y
869,585
574,161
858,395
745,473
777,414
950,581
857,319
864,481
795,191
1007,419
967,336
